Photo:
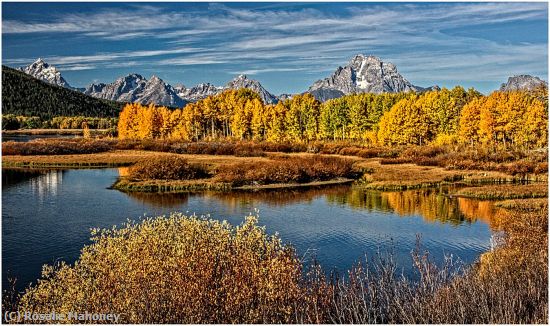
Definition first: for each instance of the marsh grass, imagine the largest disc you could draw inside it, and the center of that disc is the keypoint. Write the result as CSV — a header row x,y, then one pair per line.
x,y
485,158
505,191
171,167
56,147
290,169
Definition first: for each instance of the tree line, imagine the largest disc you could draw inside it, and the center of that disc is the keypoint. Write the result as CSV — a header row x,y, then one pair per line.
x,y
14,122
441,116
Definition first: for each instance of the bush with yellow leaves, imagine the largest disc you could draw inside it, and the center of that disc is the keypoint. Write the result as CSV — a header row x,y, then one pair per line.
x,y
176,270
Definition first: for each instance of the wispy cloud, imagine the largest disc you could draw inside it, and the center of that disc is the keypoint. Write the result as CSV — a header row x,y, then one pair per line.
x,y
305,39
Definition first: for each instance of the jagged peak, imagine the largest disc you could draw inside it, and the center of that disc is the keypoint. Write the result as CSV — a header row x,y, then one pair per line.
x,y
155,79
132,76
363,57
40,61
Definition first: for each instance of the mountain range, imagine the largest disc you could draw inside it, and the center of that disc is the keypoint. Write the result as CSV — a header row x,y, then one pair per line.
x,y
362,74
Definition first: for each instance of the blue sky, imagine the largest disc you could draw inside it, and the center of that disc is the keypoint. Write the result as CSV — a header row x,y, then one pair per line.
x,y
286,46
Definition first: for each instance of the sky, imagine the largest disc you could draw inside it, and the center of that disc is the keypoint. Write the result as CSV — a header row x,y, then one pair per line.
x,y
286,46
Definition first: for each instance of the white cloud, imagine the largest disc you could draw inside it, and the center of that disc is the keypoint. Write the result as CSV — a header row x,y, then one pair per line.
x,y
278,39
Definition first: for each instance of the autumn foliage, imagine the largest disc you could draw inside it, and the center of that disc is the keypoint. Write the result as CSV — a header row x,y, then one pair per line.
x,y
440,117
184,270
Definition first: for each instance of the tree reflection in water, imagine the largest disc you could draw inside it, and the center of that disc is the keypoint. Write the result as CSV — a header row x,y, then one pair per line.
x,y
433,205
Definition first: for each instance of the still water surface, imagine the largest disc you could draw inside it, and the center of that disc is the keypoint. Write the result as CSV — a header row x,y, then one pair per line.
x,y
47,216
29,137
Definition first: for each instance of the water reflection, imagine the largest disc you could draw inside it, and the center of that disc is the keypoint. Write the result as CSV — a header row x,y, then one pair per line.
x,y
167,200
47,216
12,177
433,205
30,137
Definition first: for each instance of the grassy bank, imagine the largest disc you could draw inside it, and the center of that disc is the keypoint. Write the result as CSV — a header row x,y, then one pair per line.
x,y
192,270
175,173
397,168
502,192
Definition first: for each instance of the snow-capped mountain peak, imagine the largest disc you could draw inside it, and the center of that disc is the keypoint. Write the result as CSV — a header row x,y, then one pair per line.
x,y
45,72
135,88
363,74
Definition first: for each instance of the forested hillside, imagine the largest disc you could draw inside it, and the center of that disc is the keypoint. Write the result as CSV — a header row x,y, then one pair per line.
x,y
24,95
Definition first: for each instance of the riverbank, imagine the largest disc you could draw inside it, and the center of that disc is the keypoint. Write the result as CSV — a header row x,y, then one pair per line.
x,y
504,192
376,175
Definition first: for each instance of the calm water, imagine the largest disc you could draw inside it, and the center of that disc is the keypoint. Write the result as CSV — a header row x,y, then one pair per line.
x,y
28,137
47,215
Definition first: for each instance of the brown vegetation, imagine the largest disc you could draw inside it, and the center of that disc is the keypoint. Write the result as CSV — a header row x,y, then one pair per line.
x,y
287,170
56,147
190,270
508,191
172,167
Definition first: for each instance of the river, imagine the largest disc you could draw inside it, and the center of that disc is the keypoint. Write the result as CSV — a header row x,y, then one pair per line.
x,y
47,216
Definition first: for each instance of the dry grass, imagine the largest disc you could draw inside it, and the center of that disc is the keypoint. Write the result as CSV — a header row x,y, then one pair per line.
x,y
172,167
54,132
506,191
508,161
115,158
291,169
56,147
534,204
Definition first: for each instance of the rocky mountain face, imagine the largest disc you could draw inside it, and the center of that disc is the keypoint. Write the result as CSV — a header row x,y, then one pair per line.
x,y
523,83
242,81
45,72
197,92
135,88
202,91
363,74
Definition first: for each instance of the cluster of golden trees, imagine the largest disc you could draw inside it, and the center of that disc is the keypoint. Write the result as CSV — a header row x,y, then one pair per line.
x,y
443,116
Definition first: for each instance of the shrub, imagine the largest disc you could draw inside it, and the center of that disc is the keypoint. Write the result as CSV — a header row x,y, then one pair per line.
x,y
193,270
170,167
176,270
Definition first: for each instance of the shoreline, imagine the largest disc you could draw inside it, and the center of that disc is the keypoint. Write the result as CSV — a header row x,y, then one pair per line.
x,y
376,176
176,186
